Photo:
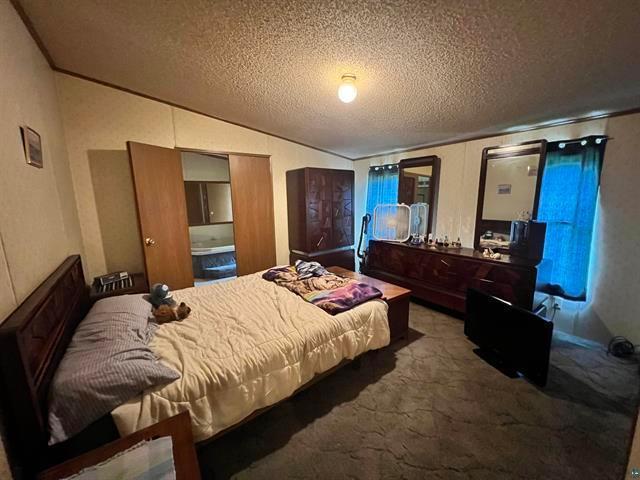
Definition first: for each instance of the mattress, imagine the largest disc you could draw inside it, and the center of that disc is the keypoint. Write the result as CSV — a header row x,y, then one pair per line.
x,y
247,344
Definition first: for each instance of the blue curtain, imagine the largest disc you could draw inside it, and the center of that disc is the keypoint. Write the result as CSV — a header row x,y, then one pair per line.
x,y
567,205
382,188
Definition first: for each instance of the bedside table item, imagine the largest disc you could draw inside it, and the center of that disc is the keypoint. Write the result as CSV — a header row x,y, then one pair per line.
x,y
109,278
134,283
178,428
396,297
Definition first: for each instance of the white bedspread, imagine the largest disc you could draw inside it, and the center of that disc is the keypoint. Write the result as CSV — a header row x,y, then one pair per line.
x,y
247,344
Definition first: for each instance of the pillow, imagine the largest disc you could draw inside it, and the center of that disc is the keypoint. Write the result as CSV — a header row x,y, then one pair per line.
x,y
107,363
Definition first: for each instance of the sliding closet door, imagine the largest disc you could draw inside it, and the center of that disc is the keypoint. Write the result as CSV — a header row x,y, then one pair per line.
x,y
253,224
162,213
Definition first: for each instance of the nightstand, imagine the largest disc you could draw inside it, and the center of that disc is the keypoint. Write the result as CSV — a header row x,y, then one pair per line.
x,y
397,299
138,284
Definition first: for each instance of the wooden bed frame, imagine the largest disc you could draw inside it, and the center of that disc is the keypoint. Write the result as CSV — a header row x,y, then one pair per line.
x,y
33,340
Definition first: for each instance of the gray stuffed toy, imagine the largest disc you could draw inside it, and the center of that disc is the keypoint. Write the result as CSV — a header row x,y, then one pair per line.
x,y
160,295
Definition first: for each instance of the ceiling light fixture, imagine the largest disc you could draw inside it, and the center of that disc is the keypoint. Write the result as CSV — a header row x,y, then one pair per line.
x,y
347,91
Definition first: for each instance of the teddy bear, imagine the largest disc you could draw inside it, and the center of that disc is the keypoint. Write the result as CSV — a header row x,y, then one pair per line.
x,y
164,307
165,313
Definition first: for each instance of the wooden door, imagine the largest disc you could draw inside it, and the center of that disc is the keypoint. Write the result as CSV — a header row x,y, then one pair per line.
x,y
253,220
342,208
162,214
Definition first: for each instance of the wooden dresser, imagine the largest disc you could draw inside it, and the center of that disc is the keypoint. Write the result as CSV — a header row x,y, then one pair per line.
x,y
442,275
320,213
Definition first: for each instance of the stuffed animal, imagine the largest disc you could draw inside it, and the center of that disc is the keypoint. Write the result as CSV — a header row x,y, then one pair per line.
x,y
168,313
160,295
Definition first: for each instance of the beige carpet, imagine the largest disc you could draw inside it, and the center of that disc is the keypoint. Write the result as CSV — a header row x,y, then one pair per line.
x,y
430,408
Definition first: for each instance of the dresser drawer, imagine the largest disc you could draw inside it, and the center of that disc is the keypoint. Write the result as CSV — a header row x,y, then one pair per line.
x,y
443,278
441,271
388,257
511,284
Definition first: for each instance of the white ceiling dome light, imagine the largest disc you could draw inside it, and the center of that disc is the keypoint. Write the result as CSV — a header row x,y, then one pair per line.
x,y
347,91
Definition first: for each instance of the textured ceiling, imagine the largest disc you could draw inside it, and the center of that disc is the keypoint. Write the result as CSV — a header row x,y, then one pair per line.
x,y
428,71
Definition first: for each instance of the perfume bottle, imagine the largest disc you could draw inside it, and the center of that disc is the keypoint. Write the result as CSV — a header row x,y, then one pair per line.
x,y
446,241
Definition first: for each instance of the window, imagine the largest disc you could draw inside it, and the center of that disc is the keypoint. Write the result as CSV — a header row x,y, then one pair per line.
x,y
382,187
568,199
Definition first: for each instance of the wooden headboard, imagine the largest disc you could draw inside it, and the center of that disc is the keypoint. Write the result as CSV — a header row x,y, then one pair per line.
x,y
32,342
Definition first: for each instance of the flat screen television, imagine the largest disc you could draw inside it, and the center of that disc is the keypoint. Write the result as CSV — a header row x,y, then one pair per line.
x,y
511,338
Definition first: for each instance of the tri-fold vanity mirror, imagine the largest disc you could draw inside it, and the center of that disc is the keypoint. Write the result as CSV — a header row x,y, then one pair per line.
x,y
508,194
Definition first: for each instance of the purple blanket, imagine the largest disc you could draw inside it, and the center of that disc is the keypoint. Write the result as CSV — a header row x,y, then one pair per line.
x,y
330,292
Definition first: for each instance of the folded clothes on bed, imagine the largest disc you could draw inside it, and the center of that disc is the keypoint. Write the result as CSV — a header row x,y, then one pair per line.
x,y
310,269
330,292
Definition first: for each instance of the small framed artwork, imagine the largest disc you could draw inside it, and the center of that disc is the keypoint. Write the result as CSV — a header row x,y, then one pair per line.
x,y
32,146
504,189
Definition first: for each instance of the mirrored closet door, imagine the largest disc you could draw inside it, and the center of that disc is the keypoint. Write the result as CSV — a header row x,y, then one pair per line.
x,y
203,216
207,187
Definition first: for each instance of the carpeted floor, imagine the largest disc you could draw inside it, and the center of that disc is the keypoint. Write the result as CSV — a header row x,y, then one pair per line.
x,y
431,408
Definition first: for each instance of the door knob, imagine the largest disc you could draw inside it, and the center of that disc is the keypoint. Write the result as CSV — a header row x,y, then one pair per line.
x,y
149,242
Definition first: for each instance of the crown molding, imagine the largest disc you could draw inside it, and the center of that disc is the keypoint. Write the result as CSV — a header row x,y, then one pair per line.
x,y
192,110
569,121
50,61
36,38
32,31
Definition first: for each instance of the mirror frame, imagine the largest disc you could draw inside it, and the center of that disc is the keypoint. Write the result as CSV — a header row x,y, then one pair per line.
x,y
537,147
434,162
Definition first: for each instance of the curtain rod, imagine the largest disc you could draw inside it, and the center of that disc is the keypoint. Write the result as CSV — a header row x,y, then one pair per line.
x,y
389,166
563,143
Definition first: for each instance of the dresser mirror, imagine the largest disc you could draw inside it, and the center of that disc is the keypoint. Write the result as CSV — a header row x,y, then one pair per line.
x,y
510,179
418,183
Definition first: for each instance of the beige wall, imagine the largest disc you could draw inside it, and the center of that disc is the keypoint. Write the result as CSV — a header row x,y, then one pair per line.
x,y
38,220
614,306
196,166
98,122
615,282
202,233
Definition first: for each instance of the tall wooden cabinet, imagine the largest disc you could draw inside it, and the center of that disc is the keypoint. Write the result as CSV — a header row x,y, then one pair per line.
x,y
320,211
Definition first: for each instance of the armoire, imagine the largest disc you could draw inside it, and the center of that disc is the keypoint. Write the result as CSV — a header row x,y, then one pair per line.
x,y
320,215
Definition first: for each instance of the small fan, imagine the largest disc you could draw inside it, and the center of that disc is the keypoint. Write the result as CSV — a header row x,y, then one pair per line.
x,y
391,222
419,217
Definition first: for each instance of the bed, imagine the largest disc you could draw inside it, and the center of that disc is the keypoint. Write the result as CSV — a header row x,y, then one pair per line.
x,y
263,344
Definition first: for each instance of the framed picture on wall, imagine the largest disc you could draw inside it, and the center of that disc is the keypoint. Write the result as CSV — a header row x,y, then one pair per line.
x,y
504,189
32,146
